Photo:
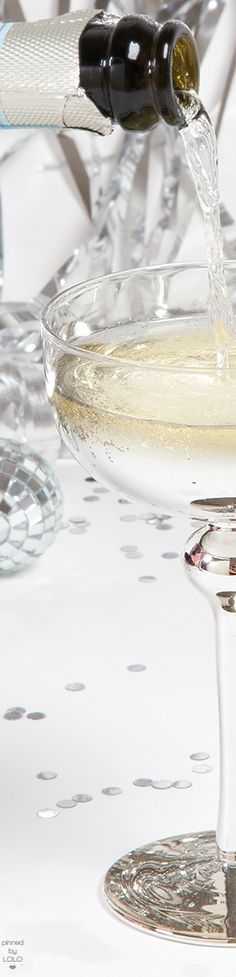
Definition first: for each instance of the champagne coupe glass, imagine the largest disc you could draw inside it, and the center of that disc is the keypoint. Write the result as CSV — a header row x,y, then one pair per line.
x,y
132,377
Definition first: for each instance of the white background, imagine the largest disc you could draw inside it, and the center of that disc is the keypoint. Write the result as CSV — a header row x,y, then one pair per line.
x,y
81,614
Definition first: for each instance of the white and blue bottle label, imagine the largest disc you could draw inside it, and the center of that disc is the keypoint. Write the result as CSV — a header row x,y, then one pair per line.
x,y
4,28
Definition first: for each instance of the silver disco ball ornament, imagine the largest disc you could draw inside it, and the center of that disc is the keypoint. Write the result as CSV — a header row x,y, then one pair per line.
x,y
31,505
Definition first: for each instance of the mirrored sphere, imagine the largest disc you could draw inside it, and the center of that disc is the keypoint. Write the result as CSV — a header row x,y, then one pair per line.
x,y
31,505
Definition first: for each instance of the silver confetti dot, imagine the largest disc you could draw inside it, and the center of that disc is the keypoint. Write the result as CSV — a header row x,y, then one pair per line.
x,y
161,526
134,555
16,712
147,579
124,501
170,556
68,802
162,784
182,784
136,668
148,516
90,478
111,791
47,813
199,756
82,798
128,518
36,715
128,549
91,498
202,768
75,687
46,775
142,782
78,521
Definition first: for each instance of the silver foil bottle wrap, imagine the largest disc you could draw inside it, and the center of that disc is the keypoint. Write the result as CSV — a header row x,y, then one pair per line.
x,y
40,75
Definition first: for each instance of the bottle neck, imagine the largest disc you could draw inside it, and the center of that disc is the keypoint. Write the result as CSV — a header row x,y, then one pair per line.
x,y
133,68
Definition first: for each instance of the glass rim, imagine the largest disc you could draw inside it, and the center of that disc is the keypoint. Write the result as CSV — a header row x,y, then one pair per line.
x,y
80,288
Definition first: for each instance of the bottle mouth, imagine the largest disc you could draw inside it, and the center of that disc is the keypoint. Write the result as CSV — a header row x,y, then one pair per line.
x,y
184,70
178,73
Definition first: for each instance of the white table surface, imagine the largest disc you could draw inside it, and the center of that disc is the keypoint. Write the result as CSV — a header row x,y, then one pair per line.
x,y
80,614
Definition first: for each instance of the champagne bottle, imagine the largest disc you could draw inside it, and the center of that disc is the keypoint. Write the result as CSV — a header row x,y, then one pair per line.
x,y
91,70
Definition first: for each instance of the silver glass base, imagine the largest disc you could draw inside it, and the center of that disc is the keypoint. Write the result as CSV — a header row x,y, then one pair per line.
x,y
179,888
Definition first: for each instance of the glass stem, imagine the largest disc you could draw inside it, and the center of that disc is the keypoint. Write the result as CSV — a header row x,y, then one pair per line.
x,y
210,560
226,672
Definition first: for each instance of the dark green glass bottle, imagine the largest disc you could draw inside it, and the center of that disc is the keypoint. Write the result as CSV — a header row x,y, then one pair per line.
x,y
133,69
